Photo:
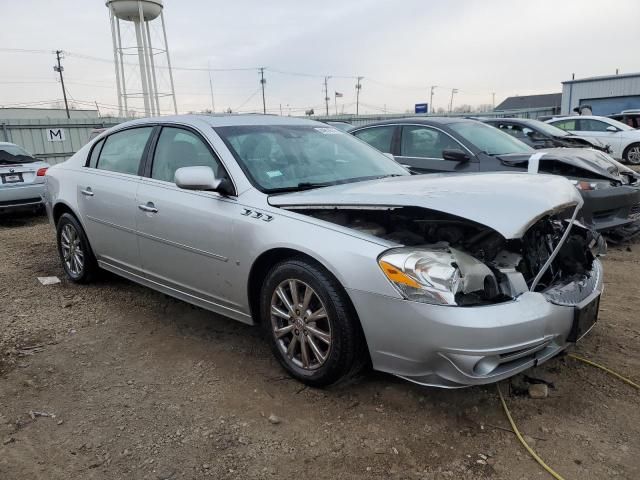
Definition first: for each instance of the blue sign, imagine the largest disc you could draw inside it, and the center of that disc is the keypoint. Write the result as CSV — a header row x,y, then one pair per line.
x,y
422,108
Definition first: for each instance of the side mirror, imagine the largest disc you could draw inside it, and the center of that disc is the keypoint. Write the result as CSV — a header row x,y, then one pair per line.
x,y
611,128
201,178
455,155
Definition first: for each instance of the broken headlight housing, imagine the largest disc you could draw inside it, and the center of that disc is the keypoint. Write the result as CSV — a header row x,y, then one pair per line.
x,y
437,275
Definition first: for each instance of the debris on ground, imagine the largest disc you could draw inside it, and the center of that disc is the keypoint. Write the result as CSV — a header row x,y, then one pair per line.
x,y
48,280
538,390
275,419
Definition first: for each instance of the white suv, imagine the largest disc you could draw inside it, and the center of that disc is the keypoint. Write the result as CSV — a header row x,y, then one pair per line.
x,y
623,140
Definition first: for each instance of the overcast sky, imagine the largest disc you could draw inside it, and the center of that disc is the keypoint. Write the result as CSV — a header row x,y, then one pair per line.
x,y
400,47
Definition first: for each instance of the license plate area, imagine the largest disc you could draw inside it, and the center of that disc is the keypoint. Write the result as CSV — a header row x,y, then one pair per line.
x,y
12,178
584,318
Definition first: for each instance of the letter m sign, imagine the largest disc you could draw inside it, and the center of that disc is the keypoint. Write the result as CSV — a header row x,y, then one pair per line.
x,y
55,135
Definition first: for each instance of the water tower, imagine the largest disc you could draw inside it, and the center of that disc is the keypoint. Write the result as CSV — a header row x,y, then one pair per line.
x,y
142,83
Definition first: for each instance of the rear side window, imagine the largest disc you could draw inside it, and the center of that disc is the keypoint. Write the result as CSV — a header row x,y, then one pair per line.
x,y
95,153
565,124
425,142
122,151
378,137
179,148
590,125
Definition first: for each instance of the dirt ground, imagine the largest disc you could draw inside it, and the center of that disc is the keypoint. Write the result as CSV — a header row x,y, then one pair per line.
x,y
146,387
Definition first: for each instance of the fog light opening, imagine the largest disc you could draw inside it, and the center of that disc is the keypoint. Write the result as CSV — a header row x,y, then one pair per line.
x,y
486,365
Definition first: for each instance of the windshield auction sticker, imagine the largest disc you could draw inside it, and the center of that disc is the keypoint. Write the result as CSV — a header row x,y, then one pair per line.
x,y
328,130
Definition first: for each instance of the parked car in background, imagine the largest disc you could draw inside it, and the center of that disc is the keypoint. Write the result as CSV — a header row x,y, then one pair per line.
x,y
338,253
538,134
21,179
623,139
426,145
628,117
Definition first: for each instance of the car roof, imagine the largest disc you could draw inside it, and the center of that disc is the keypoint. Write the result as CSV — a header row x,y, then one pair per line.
x,y
225,120
8,144
523,121
571,117
419,121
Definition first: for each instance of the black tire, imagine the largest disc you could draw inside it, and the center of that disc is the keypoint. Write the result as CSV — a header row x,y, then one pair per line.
x,y
632,159
346,355
90,266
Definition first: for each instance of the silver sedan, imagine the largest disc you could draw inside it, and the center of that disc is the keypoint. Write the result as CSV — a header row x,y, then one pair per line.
x,y
21,179
340,255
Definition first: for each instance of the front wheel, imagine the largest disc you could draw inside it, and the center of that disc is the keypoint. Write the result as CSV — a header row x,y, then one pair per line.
x,y
632,154
310,324
75,253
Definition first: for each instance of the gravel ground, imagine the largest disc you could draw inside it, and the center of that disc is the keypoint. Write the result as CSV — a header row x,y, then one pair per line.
x,y
144,386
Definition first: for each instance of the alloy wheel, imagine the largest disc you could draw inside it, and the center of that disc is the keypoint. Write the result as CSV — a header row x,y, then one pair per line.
x,y
72,253
633,155
300,324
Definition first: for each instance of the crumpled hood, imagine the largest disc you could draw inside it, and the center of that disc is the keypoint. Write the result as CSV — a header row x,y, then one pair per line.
x,y
507,202
593,161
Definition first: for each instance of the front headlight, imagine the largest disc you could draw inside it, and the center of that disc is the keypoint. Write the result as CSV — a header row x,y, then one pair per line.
x,y
436,275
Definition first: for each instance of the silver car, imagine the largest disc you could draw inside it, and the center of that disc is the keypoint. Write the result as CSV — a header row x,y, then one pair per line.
x,y
21,179
340,255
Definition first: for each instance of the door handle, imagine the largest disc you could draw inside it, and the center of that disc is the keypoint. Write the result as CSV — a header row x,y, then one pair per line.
x,y
87,192
149,207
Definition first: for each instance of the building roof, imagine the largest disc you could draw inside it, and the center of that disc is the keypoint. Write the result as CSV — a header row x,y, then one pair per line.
x,y
15,113
531,101
603,77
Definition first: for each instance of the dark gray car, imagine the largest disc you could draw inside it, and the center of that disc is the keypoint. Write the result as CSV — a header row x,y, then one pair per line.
x,y
610,190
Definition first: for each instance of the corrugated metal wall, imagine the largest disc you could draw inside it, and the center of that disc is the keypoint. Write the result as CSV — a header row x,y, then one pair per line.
x,y
33,135
574,92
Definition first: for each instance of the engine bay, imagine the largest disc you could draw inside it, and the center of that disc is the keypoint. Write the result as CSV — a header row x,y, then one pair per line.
x,y
510,266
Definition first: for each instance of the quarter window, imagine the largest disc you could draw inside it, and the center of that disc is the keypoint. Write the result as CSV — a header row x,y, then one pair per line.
x,y
122,151
93,159
425,142
179,148
378,137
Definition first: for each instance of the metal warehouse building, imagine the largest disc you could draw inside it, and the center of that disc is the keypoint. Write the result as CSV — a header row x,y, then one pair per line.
x,y
606,95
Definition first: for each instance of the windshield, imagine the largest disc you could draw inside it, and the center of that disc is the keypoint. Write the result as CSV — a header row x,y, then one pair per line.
x,y
282,157
14,154
489,139
550,130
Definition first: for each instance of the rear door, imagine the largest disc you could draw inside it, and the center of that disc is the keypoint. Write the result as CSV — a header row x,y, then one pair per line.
x,y
186,236
421,150
107,196
382,137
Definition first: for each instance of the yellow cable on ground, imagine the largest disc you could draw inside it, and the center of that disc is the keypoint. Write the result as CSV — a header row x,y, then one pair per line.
x,y
535,456
601,367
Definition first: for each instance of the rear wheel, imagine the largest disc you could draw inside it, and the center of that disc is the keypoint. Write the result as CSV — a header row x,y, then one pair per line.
x,y
632,154
310,324
75,253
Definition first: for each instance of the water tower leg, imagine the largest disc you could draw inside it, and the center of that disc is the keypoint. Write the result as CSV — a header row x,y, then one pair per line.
x,y
145,53
143,69
124,79
153,71
166,49
115,60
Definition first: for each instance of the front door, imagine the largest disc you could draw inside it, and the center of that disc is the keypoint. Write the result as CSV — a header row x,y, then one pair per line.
x,y
421,150
186,236
107,197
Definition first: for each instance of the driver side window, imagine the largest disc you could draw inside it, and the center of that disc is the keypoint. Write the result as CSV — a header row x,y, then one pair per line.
x,y
179,148
425,142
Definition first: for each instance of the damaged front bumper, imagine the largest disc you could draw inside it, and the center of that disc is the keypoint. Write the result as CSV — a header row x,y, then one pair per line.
x,y
611,208
454,347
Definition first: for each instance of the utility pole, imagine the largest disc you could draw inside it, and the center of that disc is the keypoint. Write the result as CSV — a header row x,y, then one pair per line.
x,y
453,92
326,95
59,68
358,87
493,100
213,104
431,109
262,82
